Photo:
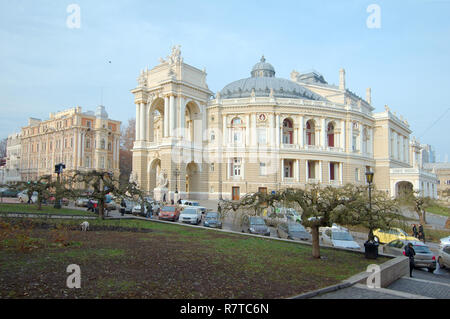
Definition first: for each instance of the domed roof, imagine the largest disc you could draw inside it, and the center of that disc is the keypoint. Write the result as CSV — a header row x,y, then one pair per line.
x,y
263,82
101,112
263,68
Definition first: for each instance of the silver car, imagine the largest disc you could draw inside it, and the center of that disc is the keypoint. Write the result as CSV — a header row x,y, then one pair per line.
x,y
444,257
424,257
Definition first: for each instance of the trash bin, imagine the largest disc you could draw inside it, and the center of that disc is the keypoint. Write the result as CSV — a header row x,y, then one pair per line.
x,y
371,250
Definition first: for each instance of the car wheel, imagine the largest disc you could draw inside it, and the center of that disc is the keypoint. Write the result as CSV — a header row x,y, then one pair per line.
x,y
431,269
441,264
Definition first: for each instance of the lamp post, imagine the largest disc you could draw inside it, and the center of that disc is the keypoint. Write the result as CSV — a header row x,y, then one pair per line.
x,y
176,173
371,247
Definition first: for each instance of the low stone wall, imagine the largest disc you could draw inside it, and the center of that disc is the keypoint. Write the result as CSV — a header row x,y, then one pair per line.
x,y
390,271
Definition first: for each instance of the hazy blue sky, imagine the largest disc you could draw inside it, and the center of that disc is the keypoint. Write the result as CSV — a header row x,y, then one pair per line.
x,y
46,66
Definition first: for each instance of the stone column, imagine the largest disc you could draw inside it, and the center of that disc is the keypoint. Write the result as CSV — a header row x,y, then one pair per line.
x,y
172,115
247,130
182,116
301,135
343,135
323,133
297,171
138,121
282,170
142,122
166,116
224,131
277,130
254,131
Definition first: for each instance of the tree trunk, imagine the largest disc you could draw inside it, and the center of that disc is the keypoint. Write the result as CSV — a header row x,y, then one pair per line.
x,y
423,220
315,241
101,209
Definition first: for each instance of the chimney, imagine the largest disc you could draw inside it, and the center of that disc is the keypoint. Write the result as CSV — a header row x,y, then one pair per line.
x,y
369,95
342,79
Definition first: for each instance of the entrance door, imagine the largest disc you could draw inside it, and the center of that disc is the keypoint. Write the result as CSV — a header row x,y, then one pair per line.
x,y
235,193
262,190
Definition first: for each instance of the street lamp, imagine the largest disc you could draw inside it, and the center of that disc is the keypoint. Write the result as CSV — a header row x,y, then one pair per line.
x,y
371,248
369,179
58,170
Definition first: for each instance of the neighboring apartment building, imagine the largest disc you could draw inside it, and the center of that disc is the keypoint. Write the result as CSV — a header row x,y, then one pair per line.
x,y
13,154
442,170
81,140
264,133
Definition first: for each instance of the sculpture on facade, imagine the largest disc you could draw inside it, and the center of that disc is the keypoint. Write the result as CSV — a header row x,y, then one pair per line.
x,y
162,181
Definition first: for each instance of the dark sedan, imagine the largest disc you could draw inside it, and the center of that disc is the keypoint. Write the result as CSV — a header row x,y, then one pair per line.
x,y
293,231
212,219
255,225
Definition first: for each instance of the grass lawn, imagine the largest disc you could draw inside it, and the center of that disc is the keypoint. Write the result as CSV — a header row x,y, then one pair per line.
x,y
46,209
156,260
439,210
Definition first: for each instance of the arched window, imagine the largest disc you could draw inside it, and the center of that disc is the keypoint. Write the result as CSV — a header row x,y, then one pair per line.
x,y
330,134
237,129
287,131
310,133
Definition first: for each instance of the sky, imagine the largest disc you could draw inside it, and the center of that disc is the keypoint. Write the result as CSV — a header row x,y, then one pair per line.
x,y
47,66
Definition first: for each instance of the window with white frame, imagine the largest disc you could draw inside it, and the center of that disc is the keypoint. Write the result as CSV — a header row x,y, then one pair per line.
x,y
262,135
357,174
236,167
211,167
262,169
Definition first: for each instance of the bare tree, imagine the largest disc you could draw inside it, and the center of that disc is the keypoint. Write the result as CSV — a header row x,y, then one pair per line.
x,y
127,139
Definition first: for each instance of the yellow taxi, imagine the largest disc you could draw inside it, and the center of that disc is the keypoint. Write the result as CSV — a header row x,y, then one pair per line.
x,y
388,235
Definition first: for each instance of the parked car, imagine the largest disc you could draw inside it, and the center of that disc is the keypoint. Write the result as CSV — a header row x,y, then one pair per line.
x,y
292,230
338,237
8,192
23,197
255,225
388,235
169,212
191,215
444,257
129,205
424,257
64,201
137,209
187,203
82,202
212,219
444,242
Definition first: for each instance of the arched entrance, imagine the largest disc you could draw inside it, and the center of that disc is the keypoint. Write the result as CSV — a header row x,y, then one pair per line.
x,y
403,188
192,179
154,171
156,120
192,113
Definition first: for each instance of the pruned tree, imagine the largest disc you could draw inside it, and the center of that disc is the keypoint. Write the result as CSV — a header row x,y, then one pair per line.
x,y
418,203
103,183
43,186
383,212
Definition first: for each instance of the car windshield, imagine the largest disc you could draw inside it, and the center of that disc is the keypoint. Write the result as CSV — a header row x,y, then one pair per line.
x,y
195,204
212,215
341,235
402,232
421,249
189,212
257,221
169,209
296,228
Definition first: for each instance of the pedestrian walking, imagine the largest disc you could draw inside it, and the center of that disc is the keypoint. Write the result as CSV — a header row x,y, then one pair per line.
x,y
149,211
421,233
415,232
123,205
179,201
164,197
90,206
410,253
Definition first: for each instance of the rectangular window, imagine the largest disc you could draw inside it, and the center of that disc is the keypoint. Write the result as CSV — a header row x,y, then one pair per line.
x,y
262,136
211,167
236,167
357,175
262,169
332,176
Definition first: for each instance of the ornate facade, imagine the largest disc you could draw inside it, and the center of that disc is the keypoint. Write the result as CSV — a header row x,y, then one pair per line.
x,y
263,133
81,140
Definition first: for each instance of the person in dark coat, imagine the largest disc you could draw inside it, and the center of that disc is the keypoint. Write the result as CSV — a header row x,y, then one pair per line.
x,y
149,210
421,233
415,232
123,205
164,197
410,253
90,206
